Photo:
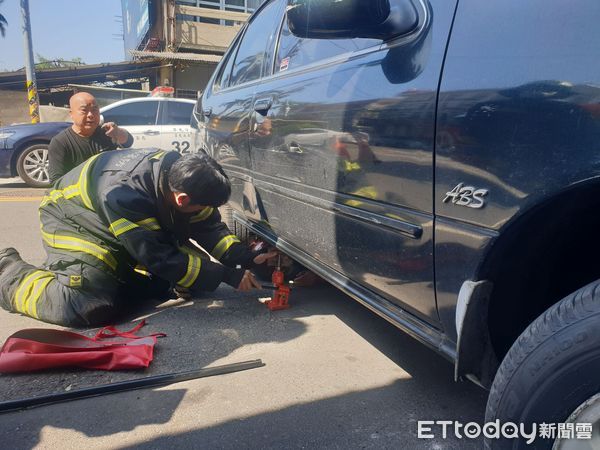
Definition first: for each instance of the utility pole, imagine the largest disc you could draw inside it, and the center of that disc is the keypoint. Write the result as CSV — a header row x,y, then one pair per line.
x,y
32,95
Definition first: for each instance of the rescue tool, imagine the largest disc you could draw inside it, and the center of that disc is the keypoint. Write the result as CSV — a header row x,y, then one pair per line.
x,y
281,291
140,383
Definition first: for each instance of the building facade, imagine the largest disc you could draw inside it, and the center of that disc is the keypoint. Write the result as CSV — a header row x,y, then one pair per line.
x,y
187,37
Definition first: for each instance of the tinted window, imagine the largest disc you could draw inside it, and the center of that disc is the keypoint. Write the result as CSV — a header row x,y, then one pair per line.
x,y
253,4
141,113
224,76
252,50
295,52
178,113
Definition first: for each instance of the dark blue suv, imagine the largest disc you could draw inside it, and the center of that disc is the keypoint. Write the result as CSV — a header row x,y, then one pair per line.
x,y
439,161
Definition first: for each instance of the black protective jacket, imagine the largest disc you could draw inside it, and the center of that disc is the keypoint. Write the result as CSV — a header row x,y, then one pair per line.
x,y
113,213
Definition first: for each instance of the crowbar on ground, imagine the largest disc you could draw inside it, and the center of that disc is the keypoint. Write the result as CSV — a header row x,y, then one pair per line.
x,y
140,383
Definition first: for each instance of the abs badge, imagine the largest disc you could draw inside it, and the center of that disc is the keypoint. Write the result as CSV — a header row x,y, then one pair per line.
x,y
467,196
284,64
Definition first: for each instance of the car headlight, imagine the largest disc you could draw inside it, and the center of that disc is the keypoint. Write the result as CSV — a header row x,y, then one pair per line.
x,y
6,134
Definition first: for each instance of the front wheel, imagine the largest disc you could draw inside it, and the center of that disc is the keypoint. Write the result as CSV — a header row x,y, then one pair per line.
x,y
550,378
32,165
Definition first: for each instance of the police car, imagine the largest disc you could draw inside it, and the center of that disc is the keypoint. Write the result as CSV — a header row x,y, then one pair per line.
x,y
159,122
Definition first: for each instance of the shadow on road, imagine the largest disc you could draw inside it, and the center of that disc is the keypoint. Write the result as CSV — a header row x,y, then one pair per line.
x,y
209,329
104,416
353,420
20,185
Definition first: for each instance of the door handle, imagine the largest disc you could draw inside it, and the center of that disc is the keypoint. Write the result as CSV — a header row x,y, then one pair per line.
x,y
151,132
207,112
295,148
262,106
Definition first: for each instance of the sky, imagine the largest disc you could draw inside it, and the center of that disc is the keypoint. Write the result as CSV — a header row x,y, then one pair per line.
x,y
64,29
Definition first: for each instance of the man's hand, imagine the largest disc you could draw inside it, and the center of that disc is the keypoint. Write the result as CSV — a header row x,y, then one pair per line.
x,y
118,135
260,259
248,282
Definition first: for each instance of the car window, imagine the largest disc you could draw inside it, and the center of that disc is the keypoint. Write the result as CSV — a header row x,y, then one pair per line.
x,y
140,113
224,77
295,52
252,50
177,113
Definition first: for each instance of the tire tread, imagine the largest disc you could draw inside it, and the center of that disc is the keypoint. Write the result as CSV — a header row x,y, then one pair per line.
x,y
575,307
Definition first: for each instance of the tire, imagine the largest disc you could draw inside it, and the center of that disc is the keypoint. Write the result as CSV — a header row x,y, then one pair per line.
x,y
32,166
551,371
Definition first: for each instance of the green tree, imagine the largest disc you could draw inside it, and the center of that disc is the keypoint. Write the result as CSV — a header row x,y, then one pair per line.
x,y
3,23
45,63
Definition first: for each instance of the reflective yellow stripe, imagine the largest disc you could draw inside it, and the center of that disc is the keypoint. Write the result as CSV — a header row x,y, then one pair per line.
x,y
79,245
24,289
29,291
150,224
121,226
142,271
158,155
30,303
193,270
79,188
83,183
224,245
67,193
202,215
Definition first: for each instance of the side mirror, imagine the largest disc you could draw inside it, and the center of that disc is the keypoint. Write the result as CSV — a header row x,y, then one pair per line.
x,y
343,19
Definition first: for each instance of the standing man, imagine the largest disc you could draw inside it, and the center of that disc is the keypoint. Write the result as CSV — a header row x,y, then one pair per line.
x,y
117,229
85,138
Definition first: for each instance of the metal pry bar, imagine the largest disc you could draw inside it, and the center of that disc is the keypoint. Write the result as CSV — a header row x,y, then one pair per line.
x,y
140,383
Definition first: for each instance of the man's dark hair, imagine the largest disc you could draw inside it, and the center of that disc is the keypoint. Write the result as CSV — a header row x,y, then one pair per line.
x,y
202,178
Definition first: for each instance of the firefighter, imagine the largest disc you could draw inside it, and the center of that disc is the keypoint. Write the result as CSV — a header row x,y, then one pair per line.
x,y
117,229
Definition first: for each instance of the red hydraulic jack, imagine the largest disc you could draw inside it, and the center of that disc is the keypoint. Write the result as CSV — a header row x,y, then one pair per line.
x,y
281,294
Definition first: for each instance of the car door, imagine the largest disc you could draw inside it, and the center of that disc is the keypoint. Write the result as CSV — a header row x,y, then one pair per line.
x,y
223,114
342,140
139,118
175,130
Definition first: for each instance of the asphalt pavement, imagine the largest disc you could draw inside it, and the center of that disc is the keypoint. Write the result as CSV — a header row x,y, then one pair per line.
x,y
335,374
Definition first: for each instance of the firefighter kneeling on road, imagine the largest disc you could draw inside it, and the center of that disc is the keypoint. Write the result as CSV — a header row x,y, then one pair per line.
x,y
117,229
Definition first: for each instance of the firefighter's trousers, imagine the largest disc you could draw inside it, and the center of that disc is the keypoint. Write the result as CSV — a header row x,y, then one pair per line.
x,y
71,292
